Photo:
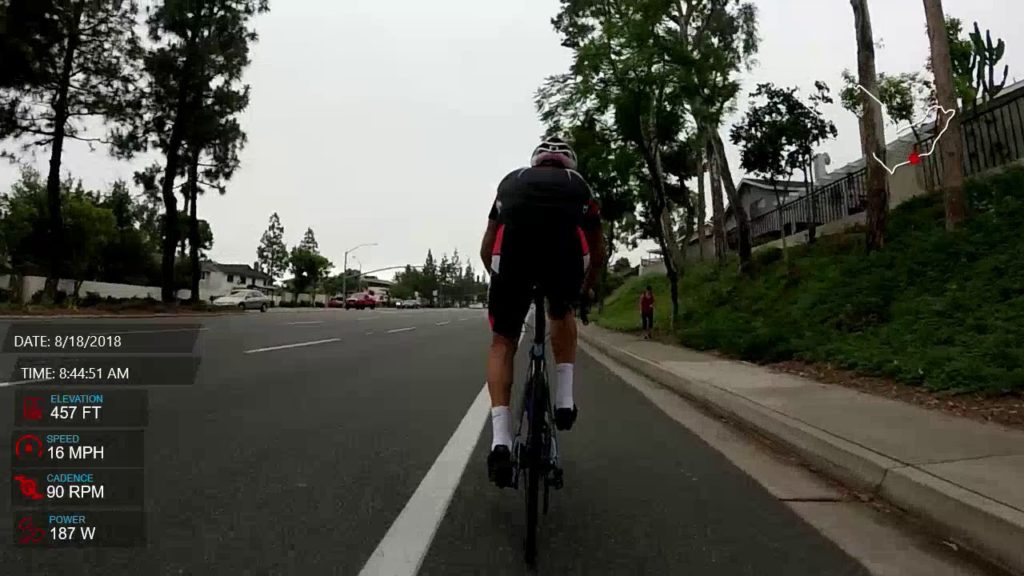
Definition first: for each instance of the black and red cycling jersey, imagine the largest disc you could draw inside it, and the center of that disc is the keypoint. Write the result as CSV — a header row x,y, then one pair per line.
x,y
543,217
539,205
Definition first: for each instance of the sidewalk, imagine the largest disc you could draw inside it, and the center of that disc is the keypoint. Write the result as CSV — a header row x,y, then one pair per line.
x,y
965,477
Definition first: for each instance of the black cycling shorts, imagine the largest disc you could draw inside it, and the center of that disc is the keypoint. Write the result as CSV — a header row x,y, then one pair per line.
x,y
555,264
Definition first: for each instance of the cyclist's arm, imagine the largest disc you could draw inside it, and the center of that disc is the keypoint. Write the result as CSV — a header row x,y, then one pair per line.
x,y
595,239
487,244
597,257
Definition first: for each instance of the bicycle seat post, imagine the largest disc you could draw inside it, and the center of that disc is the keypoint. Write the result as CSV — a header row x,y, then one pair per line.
x,y
539,323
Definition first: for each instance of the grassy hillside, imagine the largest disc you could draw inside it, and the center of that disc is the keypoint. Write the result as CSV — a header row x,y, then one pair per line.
x,y
941,309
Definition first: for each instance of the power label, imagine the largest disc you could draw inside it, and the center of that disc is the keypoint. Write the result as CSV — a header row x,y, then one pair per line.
x,y
95,408
79,529
64,448
32,488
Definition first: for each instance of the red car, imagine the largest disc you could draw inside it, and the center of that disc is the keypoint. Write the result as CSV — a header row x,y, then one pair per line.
x,y
360,300
336,302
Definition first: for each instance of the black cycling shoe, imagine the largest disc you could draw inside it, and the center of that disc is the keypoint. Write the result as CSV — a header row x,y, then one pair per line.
x,y
499,466
565,418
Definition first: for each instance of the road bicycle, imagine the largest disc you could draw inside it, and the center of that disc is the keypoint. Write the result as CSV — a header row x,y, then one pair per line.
x,y
535,446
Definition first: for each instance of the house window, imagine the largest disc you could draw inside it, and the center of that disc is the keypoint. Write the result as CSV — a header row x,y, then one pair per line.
x,y
231,277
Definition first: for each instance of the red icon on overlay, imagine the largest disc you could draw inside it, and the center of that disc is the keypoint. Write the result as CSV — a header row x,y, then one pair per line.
x,y
29,446
28,533
29,487
914,158
31,408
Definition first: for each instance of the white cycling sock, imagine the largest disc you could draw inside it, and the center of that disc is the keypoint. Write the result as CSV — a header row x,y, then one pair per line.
x,y
501,426
563,396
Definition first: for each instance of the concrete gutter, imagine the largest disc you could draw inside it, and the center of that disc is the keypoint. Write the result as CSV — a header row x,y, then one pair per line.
x,y
991,529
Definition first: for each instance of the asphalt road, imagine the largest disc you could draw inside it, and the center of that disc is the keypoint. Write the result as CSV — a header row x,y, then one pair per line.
x,y
298,460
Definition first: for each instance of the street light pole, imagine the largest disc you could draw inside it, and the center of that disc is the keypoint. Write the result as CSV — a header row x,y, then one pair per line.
x,y
344,265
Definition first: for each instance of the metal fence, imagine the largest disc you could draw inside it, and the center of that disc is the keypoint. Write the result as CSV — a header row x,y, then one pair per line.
x,y
831,202
992,135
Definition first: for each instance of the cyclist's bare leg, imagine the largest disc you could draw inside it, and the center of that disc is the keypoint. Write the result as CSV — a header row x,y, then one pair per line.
x,y
499,370
499,384
563,344
563,338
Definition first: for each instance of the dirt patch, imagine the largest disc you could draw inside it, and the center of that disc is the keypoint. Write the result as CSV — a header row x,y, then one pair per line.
x,y
1005,410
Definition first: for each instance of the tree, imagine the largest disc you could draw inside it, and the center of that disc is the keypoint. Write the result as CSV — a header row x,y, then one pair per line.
x,y
272,254
309,241
198,49
90,228
91,222
27,33
308,265
871,129
762,138
950,149
716,40
430,280
622,75
127,256
778,134
86,71
807,127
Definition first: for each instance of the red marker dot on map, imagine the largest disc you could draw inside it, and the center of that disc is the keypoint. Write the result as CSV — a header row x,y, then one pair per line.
x,y
914,158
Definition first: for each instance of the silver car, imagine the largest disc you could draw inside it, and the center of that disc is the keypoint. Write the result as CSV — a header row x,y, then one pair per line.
x,y
244,299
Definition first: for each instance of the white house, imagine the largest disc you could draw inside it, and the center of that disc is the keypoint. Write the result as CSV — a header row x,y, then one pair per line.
x,y
221,279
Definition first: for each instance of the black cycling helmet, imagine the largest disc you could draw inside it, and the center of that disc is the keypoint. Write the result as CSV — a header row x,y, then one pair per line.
x,y
554,151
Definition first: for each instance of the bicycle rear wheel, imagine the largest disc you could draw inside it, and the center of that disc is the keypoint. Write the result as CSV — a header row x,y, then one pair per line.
x,y
535,470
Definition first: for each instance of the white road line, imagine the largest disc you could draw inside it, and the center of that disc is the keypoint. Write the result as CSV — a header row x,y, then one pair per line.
x,y
19,382
445,323
298,345
204,329
397,330
306,323
370,333
463,319
403,548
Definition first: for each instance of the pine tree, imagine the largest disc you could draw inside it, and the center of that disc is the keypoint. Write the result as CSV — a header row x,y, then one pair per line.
x,y
85,70
272,253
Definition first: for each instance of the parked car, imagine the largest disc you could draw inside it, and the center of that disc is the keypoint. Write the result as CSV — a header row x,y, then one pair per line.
x,y
408,303
336,302
360,300
244,299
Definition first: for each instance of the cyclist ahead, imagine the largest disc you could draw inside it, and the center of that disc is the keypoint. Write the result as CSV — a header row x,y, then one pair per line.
x,y
544,230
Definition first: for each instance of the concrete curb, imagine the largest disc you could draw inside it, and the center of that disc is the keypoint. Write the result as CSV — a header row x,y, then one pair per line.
x,y
991,529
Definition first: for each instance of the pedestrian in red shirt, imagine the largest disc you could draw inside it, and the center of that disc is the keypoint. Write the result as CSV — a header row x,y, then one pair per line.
x,y
647,311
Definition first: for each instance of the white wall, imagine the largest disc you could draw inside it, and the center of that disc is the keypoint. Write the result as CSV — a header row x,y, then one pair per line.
x,y
33,284
216,285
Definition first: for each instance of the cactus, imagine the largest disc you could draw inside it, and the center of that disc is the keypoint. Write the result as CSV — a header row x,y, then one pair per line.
x,y
986,56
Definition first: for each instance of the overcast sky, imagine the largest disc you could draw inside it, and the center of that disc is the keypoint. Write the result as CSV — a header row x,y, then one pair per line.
x,y
393,122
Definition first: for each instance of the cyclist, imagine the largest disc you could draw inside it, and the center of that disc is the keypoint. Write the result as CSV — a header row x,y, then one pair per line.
x,y
544,229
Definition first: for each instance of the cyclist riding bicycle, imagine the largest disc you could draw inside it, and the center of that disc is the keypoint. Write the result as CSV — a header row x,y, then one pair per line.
x,y
544,230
